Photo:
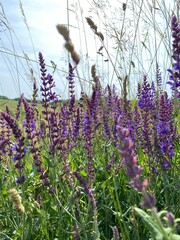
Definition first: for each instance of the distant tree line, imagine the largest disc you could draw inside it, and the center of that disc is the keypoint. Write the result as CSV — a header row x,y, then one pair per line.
x,y
4,97
15,99
29,100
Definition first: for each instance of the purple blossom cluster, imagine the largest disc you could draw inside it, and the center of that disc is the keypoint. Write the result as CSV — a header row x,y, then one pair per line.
x,y
71,90
130,161
174,79
164,130
149,122
19,148
87,188
151,125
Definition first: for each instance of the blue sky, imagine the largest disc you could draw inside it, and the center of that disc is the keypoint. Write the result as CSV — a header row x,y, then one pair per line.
x,y
42,17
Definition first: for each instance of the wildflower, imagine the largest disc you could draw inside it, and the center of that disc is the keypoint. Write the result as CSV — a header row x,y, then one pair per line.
x,y
145,103
174,78
106,125
87,188
30,122
3,145
48,96
21,178
133,170
170,219
158,77
165,135
71,89
88,143
19,148
145,96
76,125
17,114
149,201
115,233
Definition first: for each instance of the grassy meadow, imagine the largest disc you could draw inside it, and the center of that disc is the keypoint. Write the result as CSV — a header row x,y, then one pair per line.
x,y
103,165
11,104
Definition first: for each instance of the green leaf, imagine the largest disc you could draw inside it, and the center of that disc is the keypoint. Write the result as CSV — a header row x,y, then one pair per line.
x,y
177,220
149,222
175,237
83,173
29,228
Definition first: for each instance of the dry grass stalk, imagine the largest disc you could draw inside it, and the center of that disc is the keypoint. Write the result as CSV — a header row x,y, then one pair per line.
x,y
63,30
93,26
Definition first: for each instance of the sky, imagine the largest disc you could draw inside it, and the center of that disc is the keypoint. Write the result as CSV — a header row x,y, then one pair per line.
x,y
42,16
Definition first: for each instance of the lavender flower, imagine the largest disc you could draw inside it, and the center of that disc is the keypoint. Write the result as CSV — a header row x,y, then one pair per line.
x,y
87,188
88,143
158,77
174,79
30,122
20,179
87,131
3,145
146,104
106,124
145,96
94,102
19,149
5,137
164,130
46,87
130,161
49,96
170,219
109,97
76,125
71,80
115,233
18,109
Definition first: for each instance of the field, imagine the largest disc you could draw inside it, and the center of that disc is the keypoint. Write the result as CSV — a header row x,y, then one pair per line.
x,y
11,104
101,166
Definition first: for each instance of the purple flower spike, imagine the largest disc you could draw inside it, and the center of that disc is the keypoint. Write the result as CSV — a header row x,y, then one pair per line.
x,y
174,78
87,188
130,161
19,149
164,130
170,218
145,99
149,201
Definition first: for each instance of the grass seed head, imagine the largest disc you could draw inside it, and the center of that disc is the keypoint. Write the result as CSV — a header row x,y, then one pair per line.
x,y
16,199
69,46
63,30
75,56
91,24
